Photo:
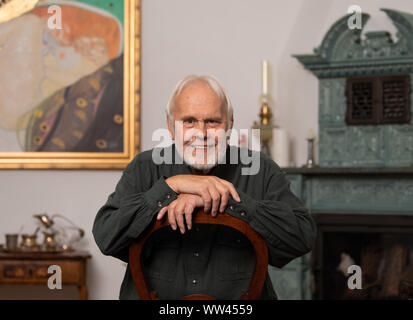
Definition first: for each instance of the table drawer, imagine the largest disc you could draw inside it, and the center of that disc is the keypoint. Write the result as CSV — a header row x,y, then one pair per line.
x,y
35,271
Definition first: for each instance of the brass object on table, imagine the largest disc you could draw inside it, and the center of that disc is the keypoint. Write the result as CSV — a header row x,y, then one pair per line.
x,y
12,242
52,232
44,219
29,242
56,238
265,126
49,243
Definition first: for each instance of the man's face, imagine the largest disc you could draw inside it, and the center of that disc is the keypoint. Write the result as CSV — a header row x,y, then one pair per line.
x,y
199,126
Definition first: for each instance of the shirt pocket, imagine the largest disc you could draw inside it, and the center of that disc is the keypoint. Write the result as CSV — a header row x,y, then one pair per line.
x,y
162,256
235,255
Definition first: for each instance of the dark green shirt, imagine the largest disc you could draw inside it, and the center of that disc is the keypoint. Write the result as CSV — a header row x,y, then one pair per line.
x,y
208,259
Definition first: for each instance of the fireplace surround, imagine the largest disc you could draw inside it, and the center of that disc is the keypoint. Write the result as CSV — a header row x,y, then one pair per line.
x,y
382,245
352,203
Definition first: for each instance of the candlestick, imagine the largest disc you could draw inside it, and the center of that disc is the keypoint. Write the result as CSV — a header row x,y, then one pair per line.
x,y
310,152
265,126
264,77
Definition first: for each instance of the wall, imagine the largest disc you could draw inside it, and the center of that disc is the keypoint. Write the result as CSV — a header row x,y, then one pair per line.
x,y
225,38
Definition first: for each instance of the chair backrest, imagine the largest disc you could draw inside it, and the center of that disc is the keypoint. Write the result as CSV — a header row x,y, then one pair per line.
x,y
200,217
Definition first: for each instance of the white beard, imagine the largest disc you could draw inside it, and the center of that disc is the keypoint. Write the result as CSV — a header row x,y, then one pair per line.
x,y
197,162
193,155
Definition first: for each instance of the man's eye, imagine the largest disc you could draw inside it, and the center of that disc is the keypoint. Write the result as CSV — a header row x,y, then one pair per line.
x,y
189,123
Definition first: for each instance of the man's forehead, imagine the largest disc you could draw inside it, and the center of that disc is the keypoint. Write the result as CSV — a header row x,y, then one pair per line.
x,y
198,93
199,110
198,104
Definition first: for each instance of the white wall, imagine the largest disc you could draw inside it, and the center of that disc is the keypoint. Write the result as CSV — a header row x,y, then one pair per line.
x,y
226,38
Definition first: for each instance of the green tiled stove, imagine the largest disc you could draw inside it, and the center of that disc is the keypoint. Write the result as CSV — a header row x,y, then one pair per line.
x,y
365,154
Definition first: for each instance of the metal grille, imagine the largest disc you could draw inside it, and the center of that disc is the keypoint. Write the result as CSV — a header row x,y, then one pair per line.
x,y
378,100
362,100
395,100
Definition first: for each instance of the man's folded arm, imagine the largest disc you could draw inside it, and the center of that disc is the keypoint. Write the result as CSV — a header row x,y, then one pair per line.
x,y
280,218
128,211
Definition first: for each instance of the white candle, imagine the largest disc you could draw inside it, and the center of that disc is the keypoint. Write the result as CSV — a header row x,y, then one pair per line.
x,y
264,77
310,134
255,142
280,147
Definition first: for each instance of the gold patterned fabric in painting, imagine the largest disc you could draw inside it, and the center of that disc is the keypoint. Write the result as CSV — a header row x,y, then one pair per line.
x,y
84,117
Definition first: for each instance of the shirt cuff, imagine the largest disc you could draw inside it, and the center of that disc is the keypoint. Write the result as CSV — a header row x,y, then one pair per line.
x,y
160,194
244,210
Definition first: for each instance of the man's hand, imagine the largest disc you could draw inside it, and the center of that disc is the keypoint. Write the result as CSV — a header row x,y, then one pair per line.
x,y
215,192
184,205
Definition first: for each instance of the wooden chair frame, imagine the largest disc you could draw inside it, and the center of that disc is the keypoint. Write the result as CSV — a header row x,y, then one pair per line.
x,y
261,252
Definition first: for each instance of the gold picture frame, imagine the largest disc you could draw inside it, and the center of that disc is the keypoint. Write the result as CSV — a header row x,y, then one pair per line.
x,y
130,120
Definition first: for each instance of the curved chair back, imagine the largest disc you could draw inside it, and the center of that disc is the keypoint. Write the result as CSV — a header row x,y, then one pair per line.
x,y
200,217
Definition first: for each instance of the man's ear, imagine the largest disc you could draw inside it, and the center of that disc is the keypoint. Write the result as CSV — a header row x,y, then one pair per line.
x,y
170,128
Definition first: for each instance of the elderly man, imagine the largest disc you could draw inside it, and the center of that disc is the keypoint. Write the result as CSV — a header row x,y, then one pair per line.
x,y
208,259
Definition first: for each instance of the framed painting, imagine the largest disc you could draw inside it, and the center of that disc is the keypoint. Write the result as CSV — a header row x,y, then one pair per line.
x,y
69,84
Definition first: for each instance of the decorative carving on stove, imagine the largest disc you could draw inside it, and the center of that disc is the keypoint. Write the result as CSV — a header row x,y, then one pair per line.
x,y
344,53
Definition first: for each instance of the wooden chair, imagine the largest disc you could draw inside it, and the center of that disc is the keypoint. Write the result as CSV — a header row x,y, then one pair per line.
x,y
261,252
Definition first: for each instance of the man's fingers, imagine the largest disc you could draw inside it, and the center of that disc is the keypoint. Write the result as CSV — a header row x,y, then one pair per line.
x,y
224,193
179,214
189,209
224,201
180,220
216,197
161,213
171,217
232,191
207,200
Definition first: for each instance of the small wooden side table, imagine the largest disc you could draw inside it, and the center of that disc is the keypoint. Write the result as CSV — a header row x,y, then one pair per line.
x,y
32,267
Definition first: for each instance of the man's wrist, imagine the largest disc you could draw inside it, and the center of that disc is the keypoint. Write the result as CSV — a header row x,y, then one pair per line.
x,y
171,183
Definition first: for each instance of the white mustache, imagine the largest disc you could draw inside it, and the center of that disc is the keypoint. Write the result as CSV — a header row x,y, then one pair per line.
x,y
201,146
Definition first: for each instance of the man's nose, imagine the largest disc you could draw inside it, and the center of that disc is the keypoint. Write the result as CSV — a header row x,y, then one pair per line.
x,y
202,127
